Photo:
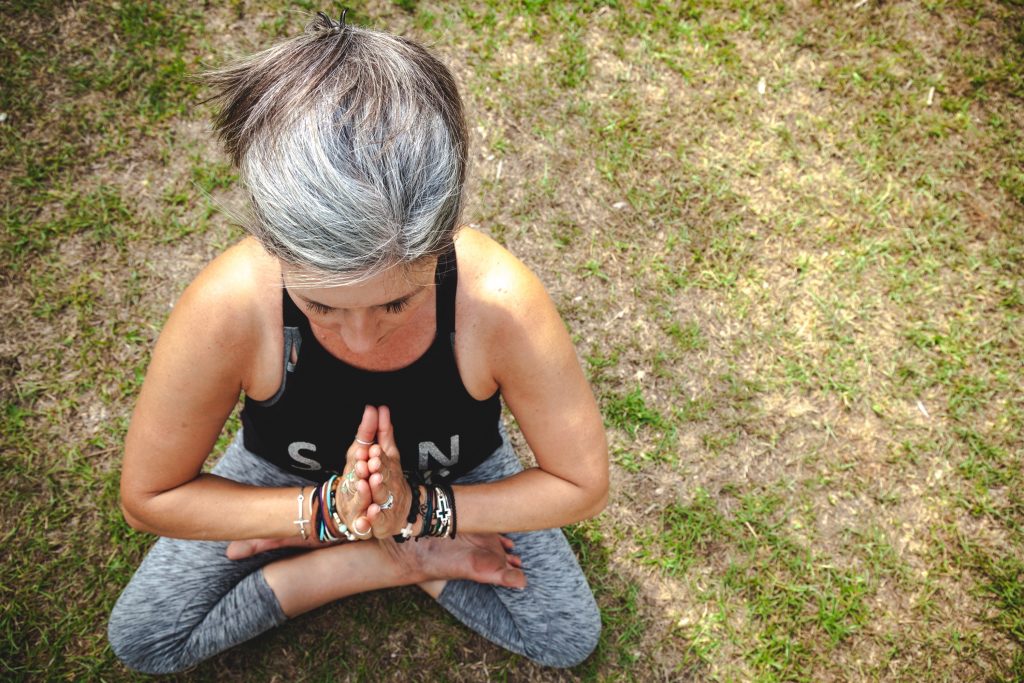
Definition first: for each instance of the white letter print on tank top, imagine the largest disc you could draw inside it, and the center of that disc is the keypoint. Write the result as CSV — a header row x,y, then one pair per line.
x,y
301,461
429,449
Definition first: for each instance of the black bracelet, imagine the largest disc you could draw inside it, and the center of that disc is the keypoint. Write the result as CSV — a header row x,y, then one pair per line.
x,y
451,501
444,513
414,509
428,512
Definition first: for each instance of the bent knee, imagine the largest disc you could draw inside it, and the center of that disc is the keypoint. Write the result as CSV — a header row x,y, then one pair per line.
x,y
139,646
569,642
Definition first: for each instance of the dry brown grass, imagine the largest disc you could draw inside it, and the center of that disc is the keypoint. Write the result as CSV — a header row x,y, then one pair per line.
x,y
804,303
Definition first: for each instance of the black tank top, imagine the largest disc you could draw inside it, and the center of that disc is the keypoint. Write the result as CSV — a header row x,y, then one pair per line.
x,y
441,430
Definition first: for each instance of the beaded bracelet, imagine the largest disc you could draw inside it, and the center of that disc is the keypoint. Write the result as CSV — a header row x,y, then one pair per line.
x,y
332,503
437,510
414,507
332,496
427,511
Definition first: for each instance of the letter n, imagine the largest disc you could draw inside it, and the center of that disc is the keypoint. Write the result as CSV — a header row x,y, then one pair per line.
x,y
430,450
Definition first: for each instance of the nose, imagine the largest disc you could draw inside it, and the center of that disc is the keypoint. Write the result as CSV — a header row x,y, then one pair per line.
x,y
359,331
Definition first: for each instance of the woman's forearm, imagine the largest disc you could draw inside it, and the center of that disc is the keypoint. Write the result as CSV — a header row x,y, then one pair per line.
x,y
213,508
528,501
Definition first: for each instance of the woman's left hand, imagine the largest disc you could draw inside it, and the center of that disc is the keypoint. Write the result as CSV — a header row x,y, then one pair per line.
x,y
389,489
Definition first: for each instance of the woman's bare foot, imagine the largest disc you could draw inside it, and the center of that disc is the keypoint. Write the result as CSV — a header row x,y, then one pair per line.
x,y
484,558
308,580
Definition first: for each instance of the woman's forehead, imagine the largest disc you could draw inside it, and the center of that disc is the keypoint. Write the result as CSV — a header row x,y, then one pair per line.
x,y
376,290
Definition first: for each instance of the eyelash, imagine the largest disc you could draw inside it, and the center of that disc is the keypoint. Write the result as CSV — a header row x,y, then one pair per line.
x,y
391,307
319,308
396,306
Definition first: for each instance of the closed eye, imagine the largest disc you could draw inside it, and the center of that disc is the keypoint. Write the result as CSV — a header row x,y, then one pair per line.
x,y
317,307
396,306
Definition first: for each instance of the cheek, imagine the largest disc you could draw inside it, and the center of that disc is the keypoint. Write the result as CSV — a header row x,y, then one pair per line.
x,y
320,319
392,320
396,321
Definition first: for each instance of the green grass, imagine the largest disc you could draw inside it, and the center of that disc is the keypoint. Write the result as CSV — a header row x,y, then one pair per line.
x,y
801,313
793,595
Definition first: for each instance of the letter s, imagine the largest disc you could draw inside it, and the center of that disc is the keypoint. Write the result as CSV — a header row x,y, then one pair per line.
x,y
302,462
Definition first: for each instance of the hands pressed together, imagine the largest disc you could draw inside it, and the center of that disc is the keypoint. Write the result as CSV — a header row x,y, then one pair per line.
x,y
374,495
373,499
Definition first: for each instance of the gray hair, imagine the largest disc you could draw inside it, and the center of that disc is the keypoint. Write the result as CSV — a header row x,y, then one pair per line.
x,y
352,146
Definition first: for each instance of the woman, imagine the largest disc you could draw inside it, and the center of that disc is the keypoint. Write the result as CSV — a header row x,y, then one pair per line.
x,y
372,340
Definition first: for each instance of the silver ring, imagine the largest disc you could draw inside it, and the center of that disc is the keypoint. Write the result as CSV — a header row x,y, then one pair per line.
x,y
389,503
359,534
365,443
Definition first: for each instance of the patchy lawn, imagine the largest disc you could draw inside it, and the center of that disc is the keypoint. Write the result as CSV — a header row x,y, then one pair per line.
x,y
787,238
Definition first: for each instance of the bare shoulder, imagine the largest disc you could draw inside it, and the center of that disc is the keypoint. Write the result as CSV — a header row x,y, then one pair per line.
x,y
504,305
227,308
492,279
524,349
241,274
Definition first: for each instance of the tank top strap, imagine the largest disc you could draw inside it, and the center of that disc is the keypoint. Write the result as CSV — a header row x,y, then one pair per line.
x,y
293,317
446,276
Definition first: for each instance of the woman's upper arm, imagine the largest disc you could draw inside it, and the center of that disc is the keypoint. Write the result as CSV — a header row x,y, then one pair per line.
x,y
540,378
192,384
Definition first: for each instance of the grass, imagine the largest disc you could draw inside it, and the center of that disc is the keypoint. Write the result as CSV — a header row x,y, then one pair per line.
x,y
786,242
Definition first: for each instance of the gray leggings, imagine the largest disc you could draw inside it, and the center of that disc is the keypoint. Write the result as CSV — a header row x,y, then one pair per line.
x,y
187,601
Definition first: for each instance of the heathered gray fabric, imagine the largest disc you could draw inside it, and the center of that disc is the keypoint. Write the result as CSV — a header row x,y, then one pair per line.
x,y
187,601
553,621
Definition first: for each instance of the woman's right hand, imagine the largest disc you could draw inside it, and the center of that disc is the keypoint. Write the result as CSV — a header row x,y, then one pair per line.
x,y
354,496
352,501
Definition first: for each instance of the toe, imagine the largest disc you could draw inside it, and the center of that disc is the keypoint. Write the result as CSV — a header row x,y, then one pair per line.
x,y
239,550
513,578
